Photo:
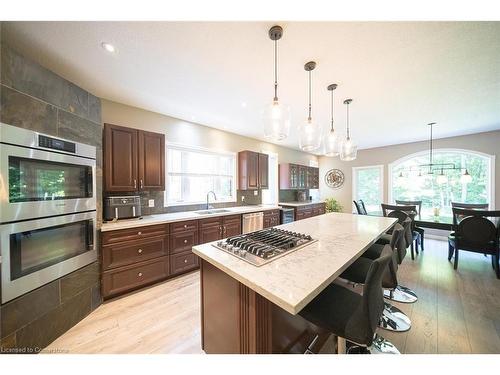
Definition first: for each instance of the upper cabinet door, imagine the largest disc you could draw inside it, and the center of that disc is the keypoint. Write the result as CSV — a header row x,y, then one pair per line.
x,y
120,158
263,171
151,161
248,170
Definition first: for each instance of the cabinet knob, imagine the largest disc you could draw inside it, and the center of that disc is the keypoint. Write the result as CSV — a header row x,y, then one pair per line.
x,y
185,226
139,251
185,260
139,274
139,233
185,241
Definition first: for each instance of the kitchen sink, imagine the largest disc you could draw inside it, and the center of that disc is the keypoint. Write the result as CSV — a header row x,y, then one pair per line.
x,y
212,212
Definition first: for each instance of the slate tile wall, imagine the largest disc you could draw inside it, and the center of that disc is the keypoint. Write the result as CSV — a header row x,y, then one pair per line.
x,y
35,98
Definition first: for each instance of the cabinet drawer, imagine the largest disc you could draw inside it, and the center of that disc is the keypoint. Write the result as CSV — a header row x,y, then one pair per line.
x,y
130,252
232,219
132,277
183,241
183,262
133,233
182,226
271,213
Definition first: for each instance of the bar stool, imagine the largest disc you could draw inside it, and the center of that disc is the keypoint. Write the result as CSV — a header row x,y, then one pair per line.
x,y
351,316
392,318
418,205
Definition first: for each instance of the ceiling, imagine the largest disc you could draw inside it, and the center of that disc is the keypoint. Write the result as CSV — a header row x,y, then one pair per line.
x,y
400,75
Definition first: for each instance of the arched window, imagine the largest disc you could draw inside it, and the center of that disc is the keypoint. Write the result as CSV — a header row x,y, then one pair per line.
x,y
408,180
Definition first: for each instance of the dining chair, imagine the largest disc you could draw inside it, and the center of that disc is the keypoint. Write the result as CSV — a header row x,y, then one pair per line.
x,y
360,207
401,213
418,204
475,231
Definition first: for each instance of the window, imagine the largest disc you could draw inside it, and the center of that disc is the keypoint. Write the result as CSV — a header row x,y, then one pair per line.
x,y
270,195
368,185
434,195
192,172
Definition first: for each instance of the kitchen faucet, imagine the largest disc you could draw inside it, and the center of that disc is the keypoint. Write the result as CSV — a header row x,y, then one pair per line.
x,y
208,195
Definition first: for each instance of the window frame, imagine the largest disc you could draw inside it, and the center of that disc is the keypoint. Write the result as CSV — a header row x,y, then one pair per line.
x,y
491,159
354,178
184,147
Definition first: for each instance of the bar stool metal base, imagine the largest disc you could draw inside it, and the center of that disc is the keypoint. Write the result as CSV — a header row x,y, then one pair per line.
x,y
393,319
401,294
382,346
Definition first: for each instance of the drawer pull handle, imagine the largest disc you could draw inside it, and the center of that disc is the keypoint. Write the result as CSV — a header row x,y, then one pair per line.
x,y
185,260
185,241
139,251
139,233
139,274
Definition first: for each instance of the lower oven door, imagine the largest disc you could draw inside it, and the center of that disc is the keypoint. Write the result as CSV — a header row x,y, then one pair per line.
x,y
37,252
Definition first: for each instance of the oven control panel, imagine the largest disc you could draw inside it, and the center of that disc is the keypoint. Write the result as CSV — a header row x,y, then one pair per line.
x,y
56,144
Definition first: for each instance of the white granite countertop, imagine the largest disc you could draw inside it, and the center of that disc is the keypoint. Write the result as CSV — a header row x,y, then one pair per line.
x,y
293,280
181,216
298,204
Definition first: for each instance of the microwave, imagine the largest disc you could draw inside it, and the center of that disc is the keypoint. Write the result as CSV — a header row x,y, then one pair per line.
x,y
43,176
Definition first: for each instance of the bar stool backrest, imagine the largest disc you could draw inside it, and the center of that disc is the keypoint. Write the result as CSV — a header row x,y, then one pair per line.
x,y
373,296
418,204
408,237
390,279
360,207
479,206
474,231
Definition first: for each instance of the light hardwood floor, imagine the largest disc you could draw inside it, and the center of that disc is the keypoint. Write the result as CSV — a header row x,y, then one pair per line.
x,y
457,312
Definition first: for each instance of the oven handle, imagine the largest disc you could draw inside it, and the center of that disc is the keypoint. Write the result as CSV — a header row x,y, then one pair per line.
x,y
90,236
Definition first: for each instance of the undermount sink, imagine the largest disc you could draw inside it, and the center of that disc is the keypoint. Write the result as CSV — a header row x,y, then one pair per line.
x,y
212,212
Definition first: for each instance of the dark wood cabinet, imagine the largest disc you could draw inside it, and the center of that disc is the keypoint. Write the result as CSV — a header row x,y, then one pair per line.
x,y
216,228
231,226
271,218
307,210
264,171
295,176
151,161
120,158
133,159
253,170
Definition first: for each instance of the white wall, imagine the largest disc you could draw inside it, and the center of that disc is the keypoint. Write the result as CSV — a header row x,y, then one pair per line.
x,y
488,143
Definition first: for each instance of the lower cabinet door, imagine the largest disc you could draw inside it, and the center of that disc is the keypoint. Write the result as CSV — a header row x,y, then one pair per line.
x,y
182,262
129,278
183,241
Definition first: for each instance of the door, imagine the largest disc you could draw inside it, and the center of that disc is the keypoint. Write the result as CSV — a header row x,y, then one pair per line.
x,y
294,176
263,171
302,177
232,226
252,170
120,158
151,161
210,230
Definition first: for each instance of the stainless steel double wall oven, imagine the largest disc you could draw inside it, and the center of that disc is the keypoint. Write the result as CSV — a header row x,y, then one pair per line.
x,y
47,208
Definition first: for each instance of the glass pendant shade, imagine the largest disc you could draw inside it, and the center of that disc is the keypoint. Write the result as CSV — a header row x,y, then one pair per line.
x,y
441,178
276,121
332,144
348,150
466,178
309,136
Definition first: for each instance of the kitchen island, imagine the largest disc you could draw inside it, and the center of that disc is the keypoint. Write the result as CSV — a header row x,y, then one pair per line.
x,y
249,309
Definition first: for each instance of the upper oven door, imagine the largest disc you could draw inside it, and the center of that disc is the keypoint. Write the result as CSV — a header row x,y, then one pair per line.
x,y
36,183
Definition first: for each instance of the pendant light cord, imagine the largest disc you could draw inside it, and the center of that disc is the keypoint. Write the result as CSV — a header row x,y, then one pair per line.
x,y
348,130
275,70
331,112
309,117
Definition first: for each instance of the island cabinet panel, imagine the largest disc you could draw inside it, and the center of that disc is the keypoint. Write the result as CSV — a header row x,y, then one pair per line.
x,y
253,170
271,218
235,319
151,161
134,160
135,276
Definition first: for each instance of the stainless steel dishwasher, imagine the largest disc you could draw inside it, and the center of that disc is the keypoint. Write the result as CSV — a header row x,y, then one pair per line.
x,y
253,222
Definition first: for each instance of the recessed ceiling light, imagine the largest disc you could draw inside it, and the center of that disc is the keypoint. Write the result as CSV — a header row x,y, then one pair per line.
x,y
108,47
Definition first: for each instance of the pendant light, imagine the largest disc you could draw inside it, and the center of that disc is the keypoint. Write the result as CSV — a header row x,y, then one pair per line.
x,y
348,149
332,141
441,178
309,132
466,177
276,114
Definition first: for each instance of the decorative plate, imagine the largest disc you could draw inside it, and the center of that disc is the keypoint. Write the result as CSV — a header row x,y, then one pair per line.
x,y
334,178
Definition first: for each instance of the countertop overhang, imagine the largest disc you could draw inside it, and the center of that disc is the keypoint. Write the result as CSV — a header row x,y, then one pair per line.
x,y
293,280
181,216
